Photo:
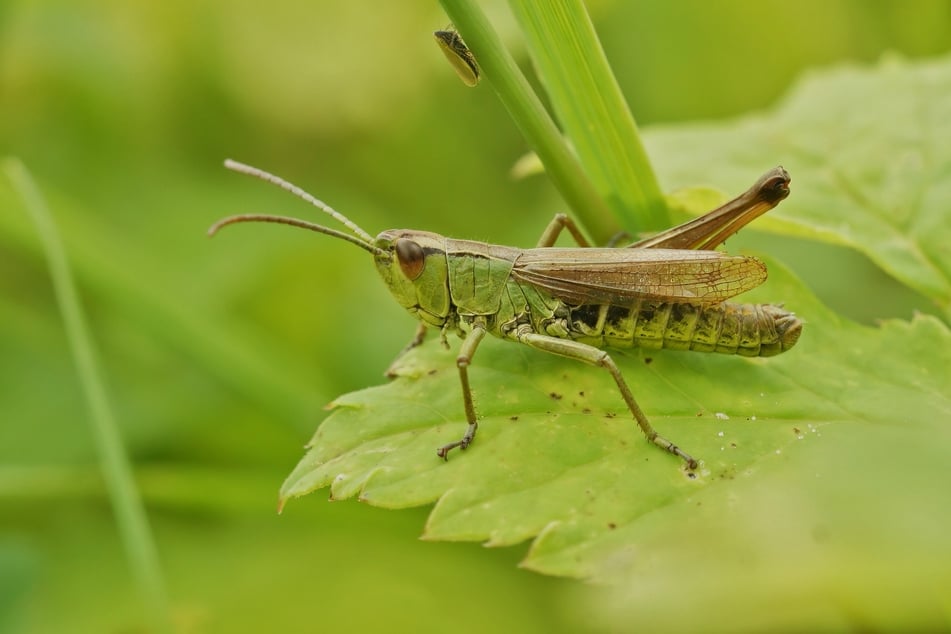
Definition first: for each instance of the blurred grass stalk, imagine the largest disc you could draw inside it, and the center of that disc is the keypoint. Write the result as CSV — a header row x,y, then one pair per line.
x,y
607,179
116,467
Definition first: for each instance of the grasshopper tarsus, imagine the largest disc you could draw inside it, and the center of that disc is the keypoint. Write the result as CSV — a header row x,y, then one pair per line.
x,y
443,452
691,462
462,443
670,447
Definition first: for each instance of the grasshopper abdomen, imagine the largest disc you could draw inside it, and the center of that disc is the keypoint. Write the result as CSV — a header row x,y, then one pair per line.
x,y
749,330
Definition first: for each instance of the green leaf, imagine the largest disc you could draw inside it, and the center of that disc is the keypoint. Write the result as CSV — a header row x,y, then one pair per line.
x,y
855,415
868,153
820,501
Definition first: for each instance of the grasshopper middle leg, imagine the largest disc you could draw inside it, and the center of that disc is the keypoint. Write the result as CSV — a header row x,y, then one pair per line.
x,y
600,358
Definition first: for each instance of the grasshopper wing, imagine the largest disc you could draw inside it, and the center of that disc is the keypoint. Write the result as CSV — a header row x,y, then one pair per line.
x,y
621,276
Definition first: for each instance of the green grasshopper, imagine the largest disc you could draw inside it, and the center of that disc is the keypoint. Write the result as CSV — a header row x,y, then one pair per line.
x,y
667,291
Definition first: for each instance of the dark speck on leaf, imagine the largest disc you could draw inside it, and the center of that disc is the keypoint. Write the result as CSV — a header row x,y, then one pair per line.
x,y
581,394
648,360
612,525
555,396
513,417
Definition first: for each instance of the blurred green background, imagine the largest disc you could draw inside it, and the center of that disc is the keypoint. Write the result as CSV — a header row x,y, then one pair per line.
x,y
219,355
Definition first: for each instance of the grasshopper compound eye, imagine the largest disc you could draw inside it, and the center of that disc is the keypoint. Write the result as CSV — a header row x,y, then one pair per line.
x,y
411,257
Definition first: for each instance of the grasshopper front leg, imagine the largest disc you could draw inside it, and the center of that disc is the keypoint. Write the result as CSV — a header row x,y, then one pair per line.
x,y
466,351
415,342
600,358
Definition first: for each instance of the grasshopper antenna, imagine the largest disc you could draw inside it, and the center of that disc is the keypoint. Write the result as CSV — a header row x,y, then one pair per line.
x,y
364,240
300,193
293,222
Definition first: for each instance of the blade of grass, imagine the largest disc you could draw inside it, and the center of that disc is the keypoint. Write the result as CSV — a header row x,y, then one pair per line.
x,y
501,72
591,108
116,467
240,358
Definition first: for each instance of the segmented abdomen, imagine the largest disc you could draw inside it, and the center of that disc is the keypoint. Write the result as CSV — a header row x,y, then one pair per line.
x,y
750,330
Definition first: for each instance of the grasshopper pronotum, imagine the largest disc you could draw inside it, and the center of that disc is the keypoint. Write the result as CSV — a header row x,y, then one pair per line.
x,y
667,291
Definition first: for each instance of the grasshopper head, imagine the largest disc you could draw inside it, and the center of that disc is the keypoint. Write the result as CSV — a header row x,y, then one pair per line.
x,y
414,267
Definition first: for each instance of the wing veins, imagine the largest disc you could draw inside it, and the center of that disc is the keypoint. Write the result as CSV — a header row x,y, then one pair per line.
x,y
618,276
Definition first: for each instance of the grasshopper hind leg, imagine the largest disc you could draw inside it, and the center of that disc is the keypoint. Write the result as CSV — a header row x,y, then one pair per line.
x,y
600,358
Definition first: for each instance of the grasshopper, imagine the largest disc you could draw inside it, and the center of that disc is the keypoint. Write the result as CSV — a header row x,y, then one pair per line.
x,y
667,291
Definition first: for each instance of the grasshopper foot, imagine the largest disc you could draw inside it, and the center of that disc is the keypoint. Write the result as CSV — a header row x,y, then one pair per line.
x,y
417,340
462,443
670,447
692,464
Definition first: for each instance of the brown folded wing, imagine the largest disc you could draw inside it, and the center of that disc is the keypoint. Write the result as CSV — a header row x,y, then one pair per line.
x,y
619,276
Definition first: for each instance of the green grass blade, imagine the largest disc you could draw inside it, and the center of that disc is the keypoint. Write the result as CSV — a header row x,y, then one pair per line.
x,y
501,72
116,467
591,108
